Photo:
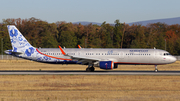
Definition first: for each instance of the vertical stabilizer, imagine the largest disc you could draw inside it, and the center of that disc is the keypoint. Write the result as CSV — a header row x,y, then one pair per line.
x,y
23,49
18,41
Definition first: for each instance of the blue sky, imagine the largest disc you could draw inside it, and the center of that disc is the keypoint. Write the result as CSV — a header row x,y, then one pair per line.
x,y
90,10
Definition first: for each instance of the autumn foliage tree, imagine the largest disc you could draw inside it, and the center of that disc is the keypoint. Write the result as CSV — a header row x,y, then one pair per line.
x,y
120,35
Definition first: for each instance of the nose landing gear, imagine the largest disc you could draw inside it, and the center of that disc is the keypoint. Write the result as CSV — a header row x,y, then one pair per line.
x,y
156,70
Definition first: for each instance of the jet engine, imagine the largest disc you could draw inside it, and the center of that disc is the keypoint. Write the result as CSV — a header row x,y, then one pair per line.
x,y
106,64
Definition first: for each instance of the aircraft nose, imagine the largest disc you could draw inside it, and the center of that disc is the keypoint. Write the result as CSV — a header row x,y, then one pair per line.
x,y
173,59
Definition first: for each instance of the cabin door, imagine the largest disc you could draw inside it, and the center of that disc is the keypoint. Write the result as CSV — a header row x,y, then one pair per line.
x,y
156,54
121,55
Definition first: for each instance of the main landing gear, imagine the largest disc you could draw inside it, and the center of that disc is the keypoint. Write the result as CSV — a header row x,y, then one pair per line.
x,y
90,68
156,70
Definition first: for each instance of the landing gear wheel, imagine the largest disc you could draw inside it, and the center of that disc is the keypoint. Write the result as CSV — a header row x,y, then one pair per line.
x,y
91,69
156,70
88,69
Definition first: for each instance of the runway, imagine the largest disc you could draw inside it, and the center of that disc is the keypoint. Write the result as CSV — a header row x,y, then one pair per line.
x,y
79,72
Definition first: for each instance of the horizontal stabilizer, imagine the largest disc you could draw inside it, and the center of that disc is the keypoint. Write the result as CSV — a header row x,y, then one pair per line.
x,y
17,53
11,52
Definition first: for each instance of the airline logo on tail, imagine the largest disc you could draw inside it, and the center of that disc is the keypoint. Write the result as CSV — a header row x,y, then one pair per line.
x,y
19,43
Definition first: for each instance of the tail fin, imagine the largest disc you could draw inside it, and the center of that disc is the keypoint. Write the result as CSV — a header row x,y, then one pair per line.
x,y
23,49
18,41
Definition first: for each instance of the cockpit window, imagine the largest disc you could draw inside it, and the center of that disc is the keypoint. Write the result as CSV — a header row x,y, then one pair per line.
x,y
166,54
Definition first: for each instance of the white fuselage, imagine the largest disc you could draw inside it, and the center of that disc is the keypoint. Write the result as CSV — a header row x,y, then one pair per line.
x,y
118,56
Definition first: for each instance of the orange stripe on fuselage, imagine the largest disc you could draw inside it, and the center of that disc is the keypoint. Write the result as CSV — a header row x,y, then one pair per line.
x,y
51,56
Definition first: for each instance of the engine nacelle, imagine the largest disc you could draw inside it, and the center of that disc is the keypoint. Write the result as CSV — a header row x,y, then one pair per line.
x,y
106,64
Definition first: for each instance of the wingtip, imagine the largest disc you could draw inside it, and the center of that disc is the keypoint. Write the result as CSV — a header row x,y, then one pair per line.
x,y
62,51
79,46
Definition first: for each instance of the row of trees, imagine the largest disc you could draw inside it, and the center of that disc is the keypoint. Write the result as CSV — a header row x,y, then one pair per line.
x,y
120,35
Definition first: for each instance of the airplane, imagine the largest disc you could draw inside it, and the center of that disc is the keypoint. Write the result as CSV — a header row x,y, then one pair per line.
x,y
104,58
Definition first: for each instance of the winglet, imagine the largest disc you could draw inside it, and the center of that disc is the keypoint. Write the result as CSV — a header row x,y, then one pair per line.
x,y
62,50
79,46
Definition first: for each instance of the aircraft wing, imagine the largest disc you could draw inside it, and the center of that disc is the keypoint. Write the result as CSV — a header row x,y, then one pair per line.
x,y
84,60
80,59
